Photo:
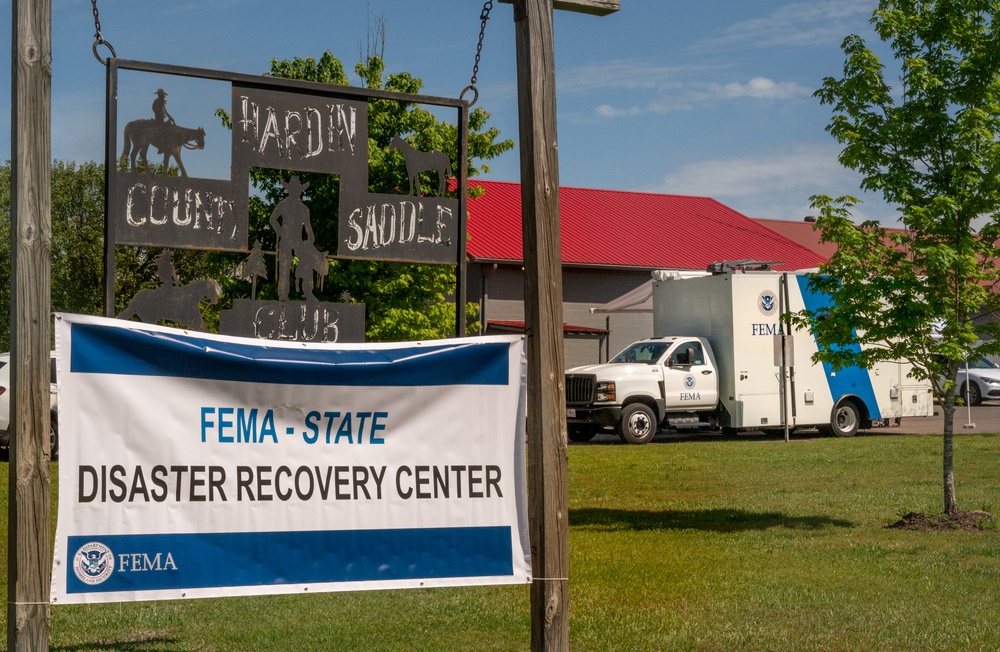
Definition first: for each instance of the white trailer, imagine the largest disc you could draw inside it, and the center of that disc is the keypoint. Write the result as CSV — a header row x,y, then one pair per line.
x,y
720,358
767,377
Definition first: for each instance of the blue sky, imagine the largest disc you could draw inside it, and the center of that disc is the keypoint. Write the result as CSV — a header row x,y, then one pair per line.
x,y
710,97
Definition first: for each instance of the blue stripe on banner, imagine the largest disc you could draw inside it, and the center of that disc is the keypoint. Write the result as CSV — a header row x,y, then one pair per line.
x,y
849,380
100,349
150,562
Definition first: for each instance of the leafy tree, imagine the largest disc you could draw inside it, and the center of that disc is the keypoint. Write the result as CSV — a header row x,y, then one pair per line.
x,y
930,146
403,301
77,263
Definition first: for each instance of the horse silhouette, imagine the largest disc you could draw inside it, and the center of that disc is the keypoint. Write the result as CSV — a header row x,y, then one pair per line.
x,y
174,303
417,162
167,138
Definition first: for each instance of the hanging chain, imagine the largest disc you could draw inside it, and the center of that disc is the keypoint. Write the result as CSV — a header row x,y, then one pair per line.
x,y
483,16
99,38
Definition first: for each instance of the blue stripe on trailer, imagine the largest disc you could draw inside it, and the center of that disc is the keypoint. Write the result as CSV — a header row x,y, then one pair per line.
x,y
853,381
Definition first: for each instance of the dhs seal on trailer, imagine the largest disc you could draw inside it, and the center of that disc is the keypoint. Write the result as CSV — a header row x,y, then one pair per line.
x,y
767,302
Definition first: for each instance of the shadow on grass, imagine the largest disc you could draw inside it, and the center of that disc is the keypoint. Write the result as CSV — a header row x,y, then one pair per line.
x,y
712,520
162,643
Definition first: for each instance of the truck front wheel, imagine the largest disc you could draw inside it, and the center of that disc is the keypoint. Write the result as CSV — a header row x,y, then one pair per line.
x,y
638,424
845,422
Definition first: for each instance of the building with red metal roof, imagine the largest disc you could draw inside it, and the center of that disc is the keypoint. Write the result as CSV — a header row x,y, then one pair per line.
x,y
637,230
611,242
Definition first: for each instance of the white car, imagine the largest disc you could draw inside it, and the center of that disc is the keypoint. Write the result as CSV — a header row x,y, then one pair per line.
x,y
981,380
5,404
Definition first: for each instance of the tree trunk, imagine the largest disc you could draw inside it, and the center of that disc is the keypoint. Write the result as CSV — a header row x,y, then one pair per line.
x,y
948,405
949,476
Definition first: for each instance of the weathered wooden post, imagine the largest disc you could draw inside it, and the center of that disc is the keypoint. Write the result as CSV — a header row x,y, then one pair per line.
x,y
28,557
546,427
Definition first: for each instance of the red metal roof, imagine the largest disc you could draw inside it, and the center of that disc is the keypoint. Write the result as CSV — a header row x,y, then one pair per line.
x,y
804,233
631,229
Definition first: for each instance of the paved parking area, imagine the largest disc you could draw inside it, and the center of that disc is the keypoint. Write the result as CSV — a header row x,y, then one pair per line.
x,y
983,418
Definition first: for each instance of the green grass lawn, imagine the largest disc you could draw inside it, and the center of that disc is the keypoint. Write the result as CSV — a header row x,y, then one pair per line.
x,y
705,545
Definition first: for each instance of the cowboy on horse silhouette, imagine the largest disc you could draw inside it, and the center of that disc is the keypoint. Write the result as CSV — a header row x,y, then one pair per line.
x,y
161,132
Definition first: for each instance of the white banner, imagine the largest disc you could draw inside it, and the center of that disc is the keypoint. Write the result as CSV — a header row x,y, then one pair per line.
x,y
196,465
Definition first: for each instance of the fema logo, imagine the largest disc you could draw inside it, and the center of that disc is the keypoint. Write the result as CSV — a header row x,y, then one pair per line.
x,y
767,303
689,381
93,563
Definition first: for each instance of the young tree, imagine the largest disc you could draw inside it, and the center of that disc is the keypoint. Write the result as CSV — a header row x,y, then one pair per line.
x,y
403,301
928,144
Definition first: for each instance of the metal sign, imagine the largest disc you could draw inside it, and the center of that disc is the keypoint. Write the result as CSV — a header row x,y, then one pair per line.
x,y
299,321
277,124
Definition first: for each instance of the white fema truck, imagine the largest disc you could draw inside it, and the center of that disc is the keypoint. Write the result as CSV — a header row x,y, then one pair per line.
x,y
719,359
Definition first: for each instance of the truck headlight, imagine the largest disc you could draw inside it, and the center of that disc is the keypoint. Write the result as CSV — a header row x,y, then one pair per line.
x,y
605,391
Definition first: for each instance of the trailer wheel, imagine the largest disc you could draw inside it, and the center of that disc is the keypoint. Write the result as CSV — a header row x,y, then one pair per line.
x,y
845,422
638,424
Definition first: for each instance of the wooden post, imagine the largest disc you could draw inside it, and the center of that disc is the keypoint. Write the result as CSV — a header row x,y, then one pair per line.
x,y
543,318
28,556
546,426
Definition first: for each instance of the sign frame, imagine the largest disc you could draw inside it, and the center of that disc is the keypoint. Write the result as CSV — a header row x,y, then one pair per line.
x,y
275,85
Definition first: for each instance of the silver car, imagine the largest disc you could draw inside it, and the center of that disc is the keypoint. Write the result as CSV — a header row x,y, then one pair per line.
x,y
980,380
5,404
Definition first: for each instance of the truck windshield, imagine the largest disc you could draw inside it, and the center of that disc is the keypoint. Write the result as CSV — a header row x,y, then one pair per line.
x,y
641,352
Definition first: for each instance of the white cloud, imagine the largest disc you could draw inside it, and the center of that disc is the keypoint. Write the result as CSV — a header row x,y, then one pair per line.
x,y
693,95
775,184
761,88
821,22
738,176
624,74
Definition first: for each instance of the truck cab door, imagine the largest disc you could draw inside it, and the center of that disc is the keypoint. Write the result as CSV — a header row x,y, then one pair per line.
x,y
690,381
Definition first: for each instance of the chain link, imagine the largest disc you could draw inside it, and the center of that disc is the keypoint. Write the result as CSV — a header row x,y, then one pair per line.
x,y
483,16
98,36
97,23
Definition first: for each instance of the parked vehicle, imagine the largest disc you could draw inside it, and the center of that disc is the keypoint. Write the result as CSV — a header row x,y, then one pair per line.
x,y
978,380
720,359
5,404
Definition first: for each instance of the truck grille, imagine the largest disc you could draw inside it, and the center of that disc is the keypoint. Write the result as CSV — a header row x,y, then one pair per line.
x,y
580,388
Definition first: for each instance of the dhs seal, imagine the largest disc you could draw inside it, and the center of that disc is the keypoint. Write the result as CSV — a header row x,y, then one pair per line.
x,y
767,303
689,381
93,563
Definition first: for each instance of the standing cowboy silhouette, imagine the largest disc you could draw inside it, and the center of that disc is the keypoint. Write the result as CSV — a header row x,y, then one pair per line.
x,y
293,230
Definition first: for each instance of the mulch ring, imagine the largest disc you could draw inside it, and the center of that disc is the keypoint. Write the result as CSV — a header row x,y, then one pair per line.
x,y
974,521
